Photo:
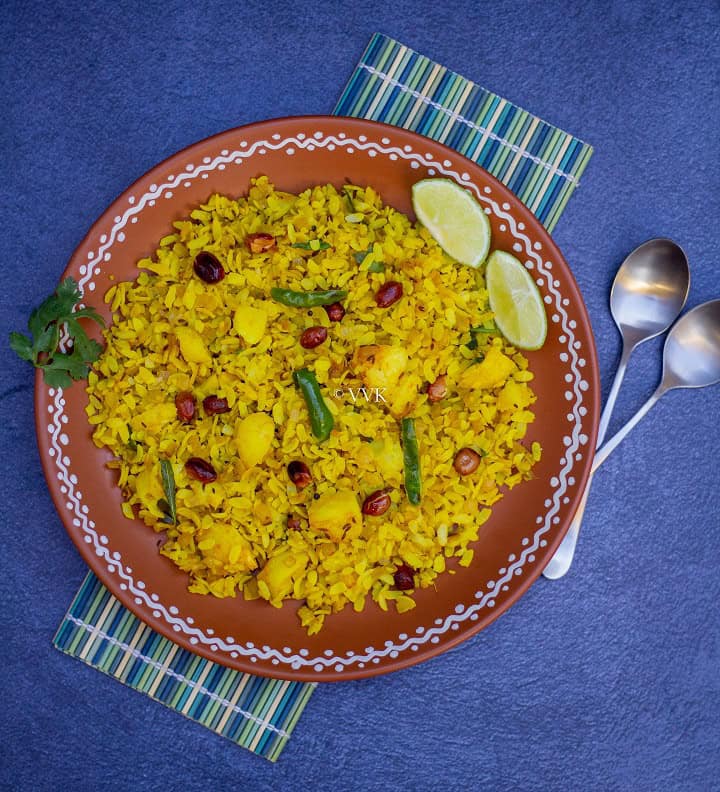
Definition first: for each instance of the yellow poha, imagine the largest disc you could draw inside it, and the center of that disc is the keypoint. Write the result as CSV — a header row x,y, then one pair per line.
x,y
251,530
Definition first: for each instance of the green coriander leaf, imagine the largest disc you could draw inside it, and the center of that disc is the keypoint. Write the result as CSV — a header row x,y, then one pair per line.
x,y
92,351
71,362
88,348
67,295
360,255
55,378
46,324
46,341
480,330
168,481
48,311
313,244
89,313
22,346
376,266
484,329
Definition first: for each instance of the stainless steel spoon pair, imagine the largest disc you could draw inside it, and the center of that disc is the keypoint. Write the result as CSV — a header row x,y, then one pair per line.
x,y
648,294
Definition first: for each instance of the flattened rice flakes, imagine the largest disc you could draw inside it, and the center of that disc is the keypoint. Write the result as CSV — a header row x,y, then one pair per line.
x,y
248,531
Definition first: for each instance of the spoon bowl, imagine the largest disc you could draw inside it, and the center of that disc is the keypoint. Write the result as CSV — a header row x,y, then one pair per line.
x,y
691,358
649,290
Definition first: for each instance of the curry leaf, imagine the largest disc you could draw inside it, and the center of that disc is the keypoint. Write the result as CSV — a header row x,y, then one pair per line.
x,y
168,482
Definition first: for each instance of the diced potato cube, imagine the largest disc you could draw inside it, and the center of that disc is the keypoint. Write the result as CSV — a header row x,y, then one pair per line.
x,y
492,371
254,436
334,513
514,395
389,456
250,323
279,573
192,347
401,399
225,550
380,365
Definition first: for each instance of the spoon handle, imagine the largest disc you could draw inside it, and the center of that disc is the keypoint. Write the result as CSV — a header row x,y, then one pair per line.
x,y
617,438
612,396
561,562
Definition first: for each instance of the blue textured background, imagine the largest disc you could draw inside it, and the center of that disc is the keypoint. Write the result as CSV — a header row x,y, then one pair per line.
x,y
608,679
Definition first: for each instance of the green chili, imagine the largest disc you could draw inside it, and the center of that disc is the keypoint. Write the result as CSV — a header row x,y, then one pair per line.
x,y
411,459
296,299
321,419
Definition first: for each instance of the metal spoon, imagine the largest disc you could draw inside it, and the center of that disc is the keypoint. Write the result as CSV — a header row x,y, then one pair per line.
x,y
648,293
691,359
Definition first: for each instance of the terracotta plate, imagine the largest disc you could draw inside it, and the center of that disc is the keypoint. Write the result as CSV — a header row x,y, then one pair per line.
x,y
525,527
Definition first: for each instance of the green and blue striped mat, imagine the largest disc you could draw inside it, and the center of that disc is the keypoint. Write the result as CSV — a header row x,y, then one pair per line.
x,y
253,711
542,165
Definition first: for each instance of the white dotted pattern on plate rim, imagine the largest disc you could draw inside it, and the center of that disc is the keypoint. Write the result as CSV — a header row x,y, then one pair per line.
x,y
485,596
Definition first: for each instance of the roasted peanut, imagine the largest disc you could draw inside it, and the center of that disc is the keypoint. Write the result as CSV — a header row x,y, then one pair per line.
x,y
215,405
404,577
377,503
335,311
466,461
437,390
260,243
185,406
388,294
208,268
299,473
201,470
313,337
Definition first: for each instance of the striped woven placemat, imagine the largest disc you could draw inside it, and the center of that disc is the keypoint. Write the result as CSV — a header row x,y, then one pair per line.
x,y
253,711
542,165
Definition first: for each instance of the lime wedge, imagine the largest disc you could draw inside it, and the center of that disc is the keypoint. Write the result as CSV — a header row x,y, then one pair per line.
x,y
455,219
515,301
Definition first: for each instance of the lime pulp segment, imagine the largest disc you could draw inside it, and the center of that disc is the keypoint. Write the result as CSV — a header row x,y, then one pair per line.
x,y
516,301
454,218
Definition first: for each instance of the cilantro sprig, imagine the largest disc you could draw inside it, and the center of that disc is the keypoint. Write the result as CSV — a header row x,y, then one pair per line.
x,y
46,325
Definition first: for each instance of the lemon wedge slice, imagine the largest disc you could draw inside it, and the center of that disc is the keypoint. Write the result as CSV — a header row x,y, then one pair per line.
x,y
454,218
516,301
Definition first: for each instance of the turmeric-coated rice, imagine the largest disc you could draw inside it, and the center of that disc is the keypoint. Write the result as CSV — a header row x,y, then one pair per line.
x,y
252,530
